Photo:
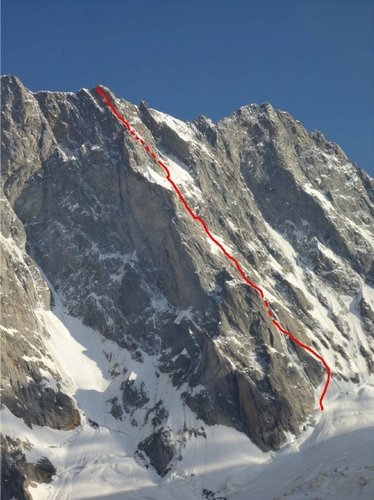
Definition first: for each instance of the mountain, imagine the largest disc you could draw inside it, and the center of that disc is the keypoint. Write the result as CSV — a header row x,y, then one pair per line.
x,y
136,363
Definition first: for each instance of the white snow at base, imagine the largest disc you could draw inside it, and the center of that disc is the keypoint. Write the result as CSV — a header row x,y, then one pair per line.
x,y
74,361
99,462
212,462
333,458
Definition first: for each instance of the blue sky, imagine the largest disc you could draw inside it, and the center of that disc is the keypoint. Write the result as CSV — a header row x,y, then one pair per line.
x,y
313,58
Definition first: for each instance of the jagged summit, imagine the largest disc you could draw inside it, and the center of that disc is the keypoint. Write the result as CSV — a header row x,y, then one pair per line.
x,y
126,329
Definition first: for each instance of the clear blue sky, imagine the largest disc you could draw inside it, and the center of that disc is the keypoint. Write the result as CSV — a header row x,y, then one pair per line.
x,y
313,58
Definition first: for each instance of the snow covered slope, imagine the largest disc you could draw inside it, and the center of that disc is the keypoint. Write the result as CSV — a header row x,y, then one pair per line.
x,y
333,458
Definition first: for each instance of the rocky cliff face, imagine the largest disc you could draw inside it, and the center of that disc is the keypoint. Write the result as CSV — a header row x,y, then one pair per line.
x,y
86,207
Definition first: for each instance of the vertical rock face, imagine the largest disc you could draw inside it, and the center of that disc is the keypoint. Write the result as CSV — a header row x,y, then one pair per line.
x,y
121,253
26,381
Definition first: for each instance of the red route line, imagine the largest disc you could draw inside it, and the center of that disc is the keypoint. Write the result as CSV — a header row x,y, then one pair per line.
x,y
236,264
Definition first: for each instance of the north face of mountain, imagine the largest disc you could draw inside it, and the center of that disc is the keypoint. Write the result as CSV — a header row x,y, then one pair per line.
x,y
88,209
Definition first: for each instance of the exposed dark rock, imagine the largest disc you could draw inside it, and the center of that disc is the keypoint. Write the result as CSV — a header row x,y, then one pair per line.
x,y
17,473
133,396
160,447
116,409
